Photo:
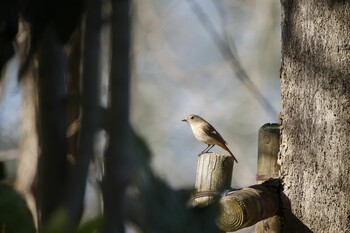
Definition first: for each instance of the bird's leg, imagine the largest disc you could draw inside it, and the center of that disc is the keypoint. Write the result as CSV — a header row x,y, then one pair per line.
x,y
211,146
204,150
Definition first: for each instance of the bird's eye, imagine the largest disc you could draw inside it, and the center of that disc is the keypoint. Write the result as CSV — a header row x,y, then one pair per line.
x,y
192,117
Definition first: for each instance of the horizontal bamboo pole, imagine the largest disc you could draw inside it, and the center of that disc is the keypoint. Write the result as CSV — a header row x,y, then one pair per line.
x,y
246,207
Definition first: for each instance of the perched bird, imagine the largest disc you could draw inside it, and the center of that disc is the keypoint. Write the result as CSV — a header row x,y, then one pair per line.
x,y
206,133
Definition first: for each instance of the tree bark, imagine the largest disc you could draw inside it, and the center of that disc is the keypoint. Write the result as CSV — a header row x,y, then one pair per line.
x,y
315,132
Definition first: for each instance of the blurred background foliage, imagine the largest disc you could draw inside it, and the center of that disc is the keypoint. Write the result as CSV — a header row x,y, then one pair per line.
x,y
177,69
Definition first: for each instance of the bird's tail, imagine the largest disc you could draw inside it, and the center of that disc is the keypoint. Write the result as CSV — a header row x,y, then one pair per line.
x,y
228,150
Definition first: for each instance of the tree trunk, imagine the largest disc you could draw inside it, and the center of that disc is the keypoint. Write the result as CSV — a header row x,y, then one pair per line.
x,y
117,156
89,119
28,151
315,136
52,127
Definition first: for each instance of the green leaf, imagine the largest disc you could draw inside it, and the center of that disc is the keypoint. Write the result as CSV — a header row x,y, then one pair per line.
x,y
14,213
90,226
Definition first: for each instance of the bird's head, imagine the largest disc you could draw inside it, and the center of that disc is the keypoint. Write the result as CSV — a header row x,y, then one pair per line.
x,y
192,119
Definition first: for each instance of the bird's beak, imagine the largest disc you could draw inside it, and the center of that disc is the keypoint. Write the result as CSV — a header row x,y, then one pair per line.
x,y
184,120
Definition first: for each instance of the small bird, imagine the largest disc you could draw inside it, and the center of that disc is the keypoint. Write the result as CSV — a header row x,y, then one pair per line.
x,y
206,133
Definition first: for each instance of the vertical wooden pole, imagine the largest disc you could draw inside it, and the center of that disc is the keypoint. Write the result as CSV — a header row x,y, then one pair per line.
x,y
214,175
268,149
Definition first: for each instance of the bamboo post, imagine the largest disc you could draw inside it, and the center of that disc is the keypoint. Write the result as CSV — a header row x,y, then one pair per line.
x,y
268,149
214,174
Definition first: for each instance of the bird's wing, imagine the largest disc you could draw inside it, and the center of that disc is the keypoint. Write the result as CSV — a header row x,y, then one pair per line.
x,y
212,132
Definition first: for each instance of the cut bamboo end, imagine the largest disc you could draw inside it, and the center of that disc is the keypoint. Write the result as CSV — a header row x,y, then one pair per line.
x,y
246,207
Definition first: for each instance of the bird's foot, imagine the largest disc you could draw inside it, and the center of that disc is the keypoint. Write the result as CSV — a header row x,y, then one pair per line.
x,y
205,152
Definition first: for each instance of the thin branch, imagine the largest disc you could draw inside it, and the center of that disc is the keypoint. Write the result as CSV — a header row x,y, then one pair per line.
x,y
230,55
